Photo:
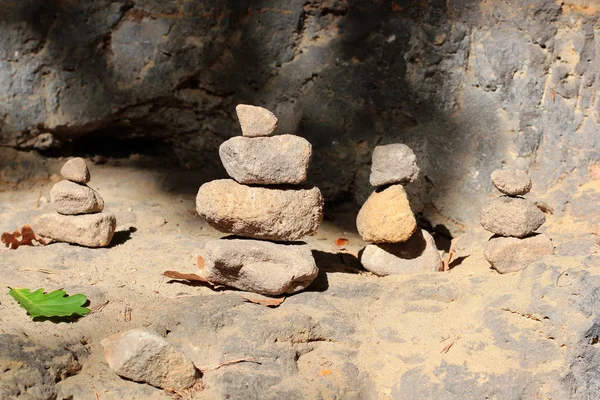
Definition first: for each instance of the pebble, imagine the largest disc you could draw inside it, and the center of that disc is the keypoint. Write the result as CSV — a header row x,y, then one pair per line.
x,y
160,221
258,212
259,266
511,216
75,170
256,121
512,182
509,254
73,198
415,256
281,159
393,163
386,217
143,356
90,230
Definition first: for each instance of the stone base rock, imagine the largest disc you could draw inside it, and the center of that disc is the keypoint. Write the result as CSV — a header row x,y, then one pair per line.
x,y
509,254
276,160
144,356
261,213
386,217
72,198
90,230
417,255
511,216
259,266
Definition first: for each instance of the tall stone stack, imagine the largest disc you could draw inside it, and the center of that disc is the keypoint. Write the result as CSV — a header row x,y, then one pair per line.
x,y
262,205
78,218
513,220
387,221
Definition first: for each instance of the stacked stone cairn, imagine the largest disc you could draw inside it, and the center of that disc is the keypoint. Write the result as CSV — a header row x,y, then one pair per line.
x,y
263,207
78,218
513,220
386,219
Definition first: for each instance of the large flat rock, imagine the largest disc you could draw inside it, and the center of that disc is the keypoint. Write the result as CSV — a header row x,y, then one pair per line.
x,y
90,230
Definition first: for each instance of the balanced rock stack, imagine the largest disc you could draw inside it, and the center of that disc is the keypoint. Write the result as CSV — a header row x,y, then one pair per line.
x,y
78,218
270,209
513,220
387,220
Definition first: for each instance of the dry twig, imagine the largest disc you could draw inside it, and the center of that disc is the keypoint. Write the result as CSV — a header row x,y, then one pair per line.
x,y
224,363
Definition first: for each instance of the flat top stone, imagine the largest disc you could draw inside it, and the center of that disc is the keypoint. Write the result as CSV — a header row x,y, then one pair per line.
x,y
393,163
256,121
513,182
75,170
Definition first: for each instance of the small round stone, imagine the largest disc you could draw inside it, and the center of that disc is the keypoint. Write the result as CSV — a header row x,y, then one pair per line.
x,y
512,182
76,171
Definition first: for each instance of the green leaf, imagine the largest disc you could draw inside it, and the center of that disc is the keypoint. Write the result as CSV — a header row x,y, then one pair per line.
x,y
54,304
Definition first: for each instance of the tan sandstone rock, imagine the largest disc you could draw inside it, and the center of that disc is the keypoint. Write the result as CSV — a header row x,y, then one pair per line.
x,y
90,230
256,121
73,198
75,170
510,254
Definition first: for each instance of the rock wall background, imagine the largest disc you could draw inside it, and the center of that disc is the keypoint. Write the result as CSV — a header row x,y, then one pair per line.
x,y
470,85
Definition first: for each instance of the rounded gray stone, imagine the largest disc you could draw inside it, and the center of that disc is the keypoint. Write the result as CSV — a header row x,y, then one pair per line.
x,y
512,182
284,214
259,266
75,170
73,198
510,254
511,216
282,159
393,163
256,121
417,255
90,230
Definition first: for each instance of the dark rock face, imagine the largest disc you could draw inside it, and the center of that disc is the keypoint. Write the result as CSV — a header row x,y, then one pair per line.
x,y
467,84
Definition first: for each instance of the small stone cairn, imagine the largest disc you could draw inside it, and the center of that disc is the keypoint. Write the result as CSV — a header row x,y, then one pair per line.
x,y
387,221
261,203
78,218
513,220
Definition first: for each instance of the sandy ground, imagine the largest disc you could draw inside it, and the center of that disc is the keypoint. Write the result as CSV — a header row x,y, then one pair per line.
x,y
399,325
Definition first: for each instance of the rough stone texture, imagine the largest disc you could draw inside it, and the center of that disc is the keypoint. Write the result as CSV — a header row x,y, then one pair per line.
x,y
281,159
511,216
415,256
513,182
260,213
386,217
144,356
31,371
469,85
73,198
259,266
393,163
256,121
75,170
90,230
509,254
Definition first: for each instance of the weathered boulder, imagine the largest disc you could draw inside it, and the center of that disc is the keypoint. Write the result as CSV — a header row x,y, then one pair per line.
x,y
511,216
261,213
73,198
393,163
259,266
75,170
90,230
144,356
510,254
386,217
512,182
415,256
281,159
256,121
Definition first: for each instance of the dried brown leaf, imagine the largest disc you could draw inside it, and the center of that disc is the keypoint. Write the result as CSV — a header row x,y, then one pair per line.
x,y
200,262
23,237
266,301
341,242
186,277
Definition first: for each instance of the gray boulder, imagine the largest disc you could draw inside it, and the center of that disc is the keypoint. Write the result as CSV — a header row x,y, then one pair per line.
x,y
256,121
393,163
415,256
144,356
258,212
73,198
90,230
511,216
259,266
509,254
281,159
75,170
512,182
